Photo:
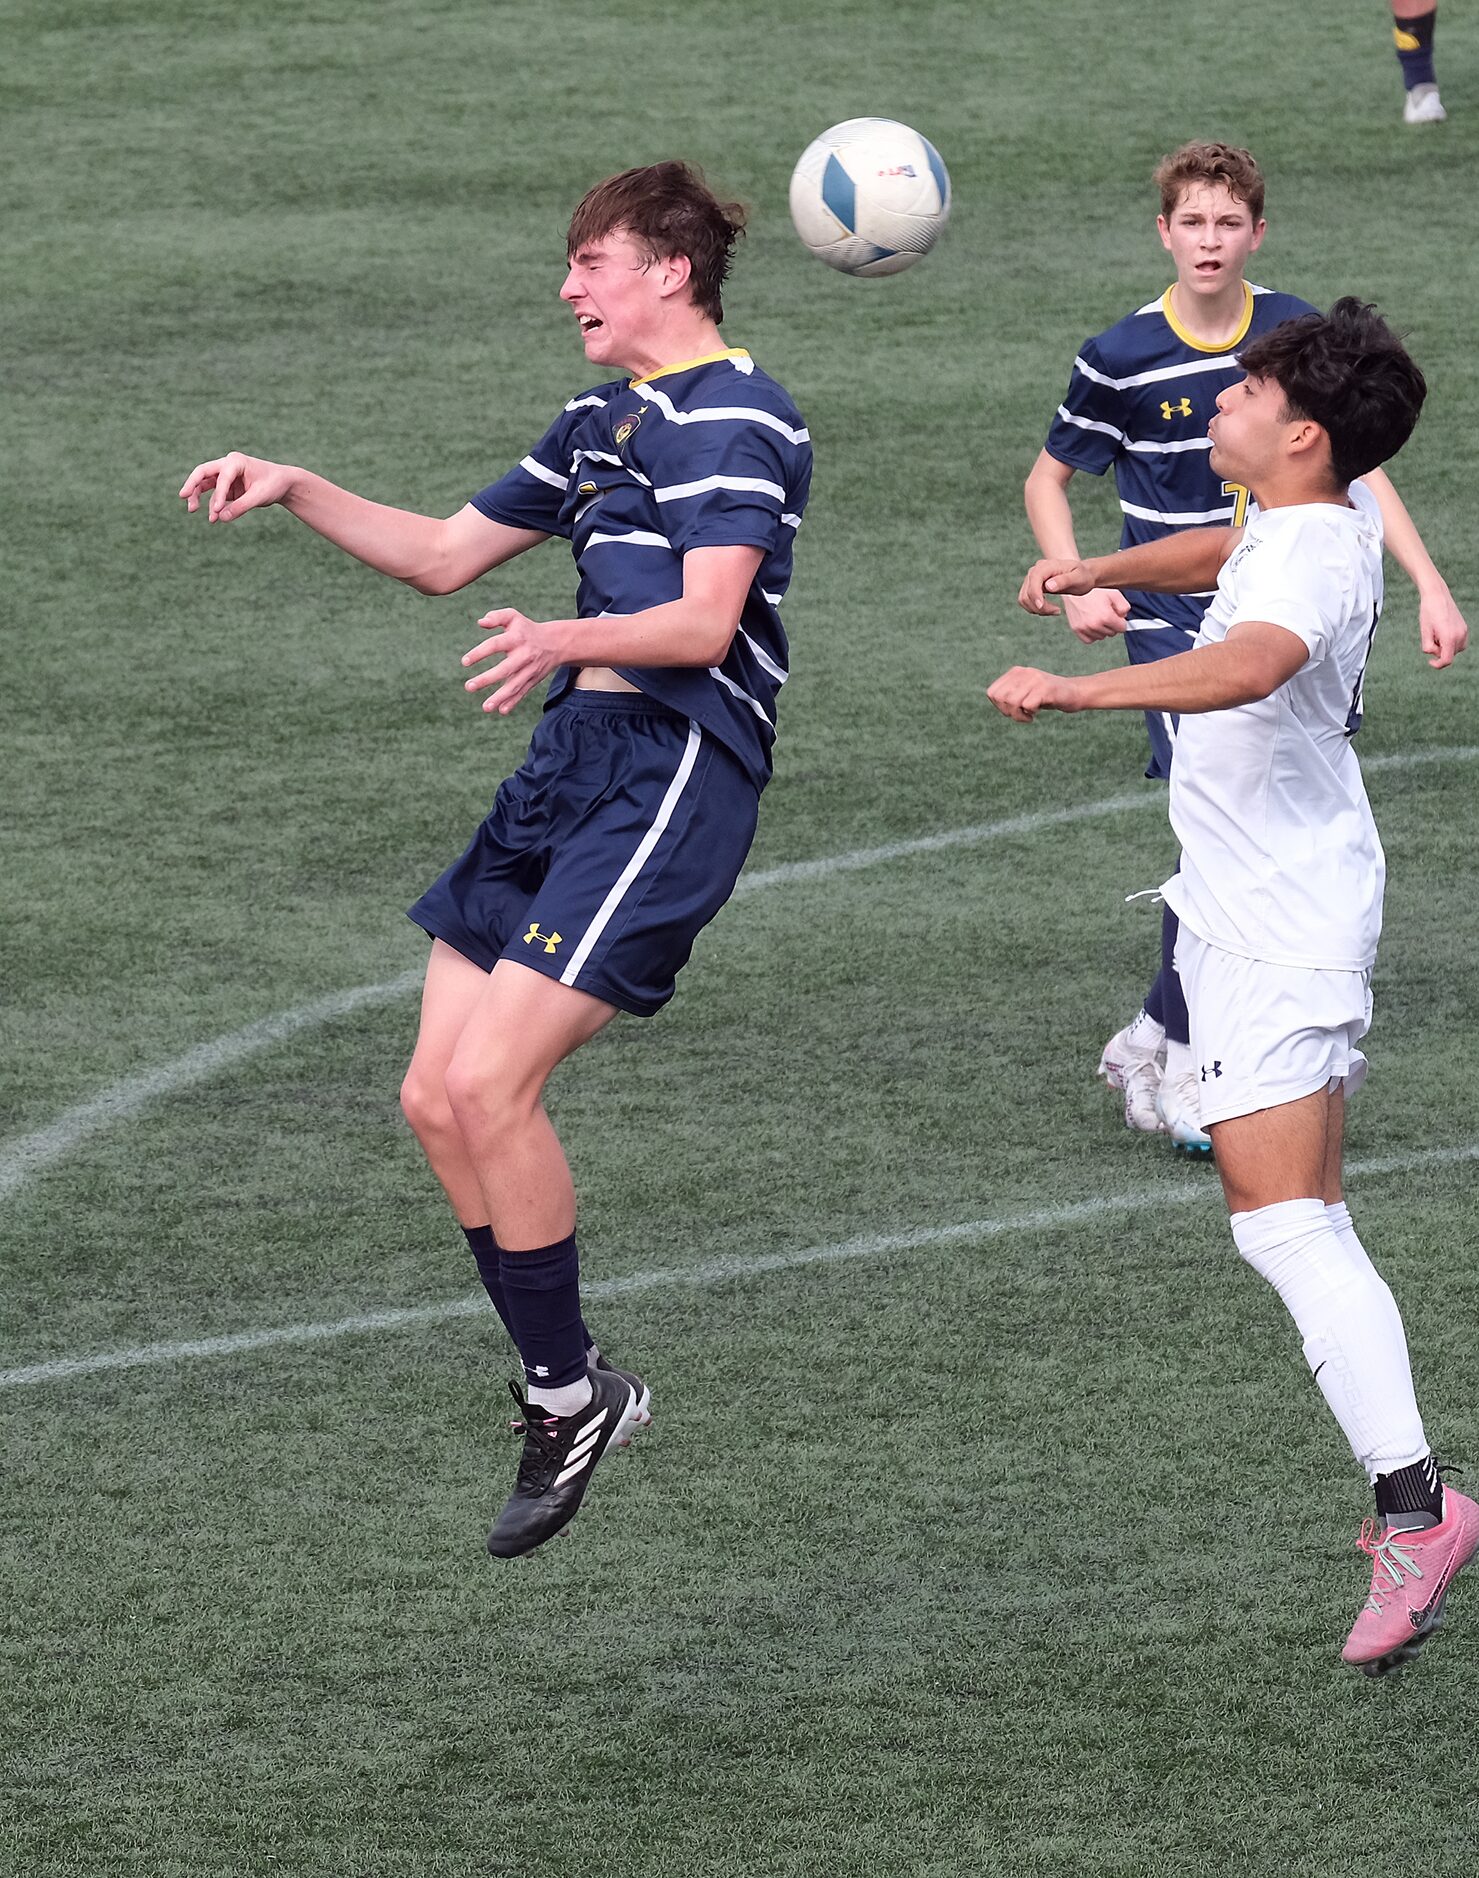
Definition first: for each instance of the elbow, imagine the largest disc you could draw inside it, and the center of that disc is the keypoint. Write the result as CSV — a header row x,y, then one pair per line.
x,y
433,581
715,651
712,640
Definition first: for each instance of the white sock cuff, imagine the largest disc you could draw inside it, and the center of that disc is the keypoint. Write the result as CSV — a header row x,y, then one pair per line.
x,y
1339,1215
1267,1226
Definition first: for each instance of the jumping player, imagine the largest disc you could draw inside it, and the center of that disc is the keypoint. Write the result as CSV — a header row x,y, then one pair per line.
x,y
1138,402
679,481
1279,892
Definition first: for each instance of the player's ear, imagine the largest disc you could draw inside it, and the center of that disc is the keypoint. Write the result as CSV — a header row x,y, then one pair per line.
x,y
1163,228
1260,229
1305,435
676,271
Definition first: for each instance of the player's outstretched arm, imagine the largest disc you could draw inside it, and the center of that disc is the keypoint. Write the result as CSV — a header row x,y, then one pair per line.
x,y
1252,662
1090,616
1443,631
431,555
1187,562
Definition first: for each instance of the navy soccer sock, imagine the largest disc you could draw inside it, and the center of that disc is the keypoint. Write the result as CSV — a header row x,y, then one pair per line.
x,y
1177,1018
485,1250
1414,39
1155,1001
541,1293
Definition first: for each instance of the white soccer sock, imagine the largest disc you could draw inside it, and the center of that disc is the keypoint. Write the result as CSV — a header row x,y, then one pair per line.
x,y
1348,1318
1145,1032
570,1399
1178,1060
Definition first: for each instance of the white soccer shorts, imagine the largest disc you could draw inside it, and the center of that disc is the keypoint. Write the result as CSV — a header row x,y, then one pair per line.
x,y
1262,1035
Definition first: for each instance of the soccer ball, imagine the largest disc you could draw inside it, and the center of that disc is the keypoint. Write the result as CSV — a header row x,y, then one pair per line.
x,y
870,196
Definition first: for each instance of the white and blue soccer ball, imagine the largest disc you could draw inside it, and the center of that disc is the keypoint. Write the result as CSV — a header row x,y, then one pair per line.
x,y
870,196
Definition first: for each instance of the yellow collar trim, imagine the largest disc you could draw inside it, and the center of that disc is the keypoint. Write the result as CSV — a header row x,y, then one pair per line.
x,y
1199,345
687,365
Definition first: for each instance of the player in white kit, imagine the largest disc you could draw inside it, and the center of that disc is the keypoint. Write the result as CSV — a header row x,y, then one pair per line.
x,y
1279,892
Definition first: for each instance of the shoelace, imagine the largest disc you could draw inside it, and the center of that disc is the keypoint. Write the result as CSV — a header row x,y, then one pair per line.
x,y
541,1445
1387,1555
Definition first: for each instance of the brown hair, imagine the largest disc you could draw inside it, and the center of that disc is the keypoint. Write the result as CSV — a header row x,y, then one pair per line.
x,y
668,209
1210,163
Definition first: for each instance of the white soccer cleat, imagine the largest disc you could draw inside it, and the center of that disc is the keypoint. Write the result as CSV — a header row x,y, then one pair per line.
x,y
1142,1087
1141,1041
1423,106
1179,1113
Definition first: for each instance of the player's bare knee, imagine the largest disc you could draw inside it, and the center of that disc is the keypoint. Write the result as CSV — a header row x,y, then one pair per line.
x,y
424,1104
478,1096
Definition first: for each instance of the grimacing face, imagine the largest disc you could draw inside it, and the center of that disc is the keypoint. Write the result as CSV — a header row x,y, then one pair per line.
x,y
617,292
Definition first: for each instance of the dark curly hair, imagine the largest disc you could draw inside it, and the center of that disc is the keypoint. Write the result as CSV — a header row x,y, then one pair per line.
x,y
1348,372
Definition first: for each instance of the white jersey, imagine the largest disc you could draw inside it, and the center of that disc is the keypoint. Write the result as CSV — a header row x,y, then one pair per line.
x,y
1280,856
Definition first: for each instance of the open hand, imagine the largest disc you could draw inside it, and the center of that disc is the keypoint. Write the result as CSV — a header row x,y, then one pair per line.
x,y
527,651
236,484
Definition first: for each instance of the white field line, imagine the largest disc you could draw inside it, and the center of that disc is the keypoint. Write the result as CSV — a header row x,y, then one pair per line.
x,y
27,1155
714,1272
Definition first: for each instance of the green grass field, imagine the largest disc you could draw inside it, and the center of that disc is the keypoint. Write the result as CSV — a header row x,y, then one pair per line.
x,y
990,1523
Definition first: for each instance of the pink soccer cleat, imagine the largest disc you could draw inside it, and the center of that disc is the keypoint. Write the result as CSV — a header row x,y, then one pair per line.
x,y
1410,1576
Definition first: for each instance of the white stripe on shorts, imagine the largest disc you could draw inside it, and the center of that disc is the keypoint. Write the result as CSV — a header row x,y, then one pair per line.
x,y
634,866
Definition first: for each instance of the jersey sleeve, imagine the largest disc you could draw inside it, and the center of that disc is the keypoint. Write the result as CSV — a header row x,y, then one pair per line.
x,y
731,482
532,493
1088,431
1299,580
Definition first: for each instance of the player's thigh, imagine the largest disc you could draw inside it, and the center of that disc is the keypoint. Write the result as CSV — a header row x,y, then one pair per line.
x,y
521,1026
1274,1154
450,993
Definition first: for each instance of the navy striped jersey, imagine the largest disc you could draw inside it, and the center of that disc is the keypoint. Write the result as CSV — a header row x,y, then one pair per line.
x,y
1140,399
707,454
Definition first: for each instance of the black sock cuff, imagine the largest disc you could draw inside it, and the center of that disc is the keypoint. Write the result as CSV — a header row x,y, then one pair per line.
x,y
1414,1489
544,1268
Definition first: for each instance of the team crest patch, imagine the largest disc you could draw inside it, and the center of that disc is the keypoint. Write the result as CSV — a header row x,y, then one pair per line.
x,y
586,489
626,425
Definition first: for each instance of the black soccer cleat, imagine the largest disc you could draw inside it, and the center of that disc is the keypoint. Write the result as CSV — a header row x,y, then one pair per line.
x,y
560,1455
641,1416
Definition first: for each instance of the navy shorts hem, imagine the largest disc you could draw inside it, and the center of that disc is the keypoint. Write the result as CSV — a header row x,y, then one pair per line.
x,y
463,942
592,983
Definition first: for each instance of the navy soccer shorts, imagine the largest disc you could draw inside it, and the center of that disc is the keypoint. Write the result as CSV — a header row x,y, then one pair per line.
x,y
604,855
1144,647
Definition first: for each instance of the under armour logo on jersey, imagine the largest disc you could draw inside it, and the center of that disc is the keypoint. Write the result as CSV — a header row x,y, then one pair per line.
x,y
549,940
540,1369
1181,408
1216,1068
